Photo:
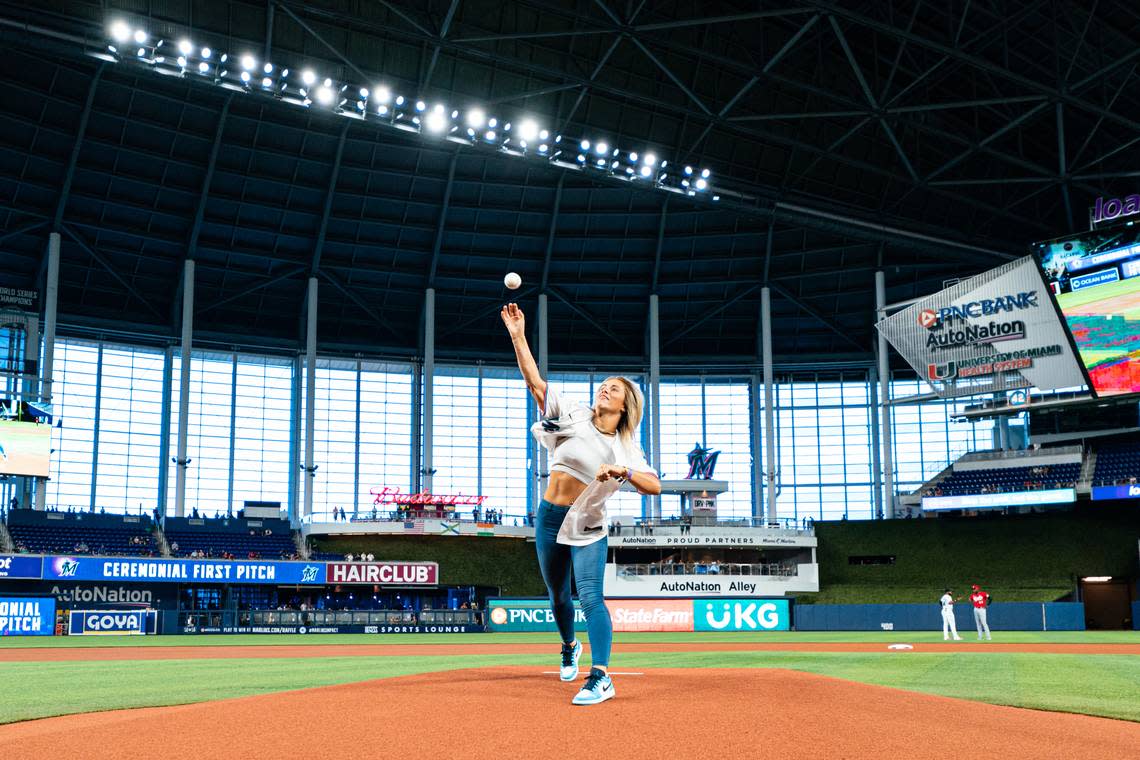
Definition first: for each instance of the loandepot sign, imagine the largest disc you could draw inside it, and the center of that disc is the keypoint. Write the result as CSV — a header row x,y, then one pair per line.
x,y
994,332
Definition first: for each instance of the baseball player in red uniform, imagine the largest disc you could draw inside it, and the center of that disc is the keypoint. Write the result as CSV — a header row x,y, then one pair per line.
x,y
981,600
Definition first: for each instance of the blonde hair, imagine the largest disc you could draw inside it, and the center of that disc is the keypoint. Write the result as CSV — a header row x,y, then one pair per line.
x,y
634,406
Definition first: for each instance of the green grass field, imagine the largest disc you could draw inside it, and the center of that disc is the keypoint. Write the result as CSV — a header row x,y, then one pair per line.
x,y
1104,685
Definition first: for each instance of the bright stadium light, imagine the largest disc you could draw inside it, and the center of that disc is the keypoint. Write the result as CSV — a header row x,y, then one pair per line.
x,y
528,130
120,32
436,120
476,118
520,136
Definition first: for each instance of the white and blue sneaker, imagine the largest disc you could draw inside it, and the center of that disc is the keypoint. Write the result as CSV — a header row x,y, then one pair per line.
x,y
598,688
570,655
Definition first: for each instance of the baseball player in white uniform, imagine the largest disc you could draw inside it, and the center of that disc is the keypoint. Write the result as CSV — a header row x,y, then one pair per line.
x,y
948,624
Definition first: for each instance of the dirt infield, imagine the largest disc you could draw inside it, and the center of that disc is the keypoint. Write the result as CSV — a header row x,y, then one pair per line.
x,y
490,714
34,654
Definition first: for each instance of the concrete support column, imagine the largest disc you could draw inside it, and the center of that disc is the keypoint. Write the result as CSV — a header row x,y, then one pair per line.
x,y
770,510
180,459
543,328
310,395
47,367
655,396
885,430
429,384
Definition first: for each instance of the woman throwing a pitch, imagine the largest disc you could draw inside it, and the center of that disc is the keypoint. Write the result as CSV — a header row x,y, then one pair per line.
x,y
592,451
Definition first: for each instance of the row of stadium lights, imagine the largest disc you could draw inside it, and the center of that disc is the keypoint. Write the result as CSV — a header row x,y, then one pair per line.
x,y
379,103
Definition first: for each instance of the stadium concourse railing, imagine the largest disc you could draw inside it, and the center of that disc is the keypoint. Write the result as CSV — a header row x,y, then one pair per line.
x,y
704,568
318,618
625,525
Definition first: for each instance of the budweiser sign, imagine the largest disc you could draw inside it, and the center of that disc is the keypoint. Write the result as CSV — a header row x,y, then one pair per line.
x,y
384,573
388,495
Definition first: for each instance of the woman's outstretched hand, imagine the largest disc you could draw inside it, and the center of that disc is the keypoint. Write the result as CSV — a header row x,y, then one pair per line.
x,y
514,320
607,471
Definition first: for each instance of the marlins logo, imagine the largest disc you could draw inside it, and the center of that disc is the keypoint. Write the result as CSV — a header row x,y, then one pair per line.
x,y
67,567
928,318
309,574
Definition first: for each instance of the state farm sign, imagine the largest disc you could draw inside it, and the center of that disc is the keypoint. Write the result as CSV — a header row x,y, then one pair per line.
x,y
385,573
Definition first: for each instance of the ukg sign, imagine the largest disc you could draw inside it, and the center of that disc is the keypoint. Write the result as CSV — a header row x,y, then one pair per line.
x,y
383,573
997,331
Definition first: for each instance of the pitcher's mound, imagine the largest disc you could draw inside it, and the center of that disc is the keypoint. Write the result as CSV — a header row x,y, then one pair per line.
x,y
516,712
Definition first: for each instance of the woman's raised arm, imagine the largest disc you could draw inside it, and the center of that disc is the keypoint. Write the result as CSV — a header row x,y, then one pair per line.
x,y
516,325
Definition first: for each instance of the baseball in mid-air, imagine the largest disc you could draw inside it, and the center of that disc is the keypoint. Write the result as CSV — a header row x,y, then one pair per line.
x,y
512,280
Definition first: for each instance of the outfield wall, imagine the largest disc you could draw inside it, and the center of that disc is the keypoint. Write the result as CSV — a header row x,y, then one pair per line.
x,y
1007,616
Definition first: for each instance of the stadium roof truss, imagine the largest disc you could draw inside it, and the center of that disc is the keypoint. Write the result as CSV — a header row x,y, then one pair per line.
x,y
926,140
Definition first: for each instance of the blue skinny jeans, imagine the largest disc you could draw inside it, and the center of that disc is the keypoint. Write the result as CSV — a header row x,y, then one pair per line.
x,y
589,566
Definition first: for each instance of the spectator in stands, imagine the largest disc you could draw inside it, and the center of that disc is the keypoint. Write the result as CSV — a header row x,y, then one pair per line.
x,y
714,568
348,558
194,513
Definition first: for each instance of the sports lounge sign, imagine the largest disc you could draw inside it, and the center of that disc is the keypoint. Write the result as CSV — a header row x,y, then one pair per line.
x,y
996,331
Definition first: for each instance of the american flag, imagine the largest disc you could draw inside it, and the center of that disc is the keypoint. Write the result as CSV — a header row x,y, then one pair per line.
x,y
414,526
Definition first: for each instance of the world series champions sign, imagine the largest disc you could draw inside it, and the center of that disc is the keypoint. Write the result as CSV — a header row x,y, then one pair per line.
x,y
993,332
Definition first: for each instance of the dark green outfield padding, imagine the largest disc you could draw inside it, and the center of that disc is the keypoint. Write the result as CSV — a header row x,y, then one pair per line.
x,y
508,563
1027,558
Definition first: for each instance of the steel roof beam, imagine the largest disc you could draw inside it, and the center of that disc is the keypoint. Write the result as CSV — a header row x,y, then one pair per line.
x,y
73,159
440,226
102,261
319,247
550,233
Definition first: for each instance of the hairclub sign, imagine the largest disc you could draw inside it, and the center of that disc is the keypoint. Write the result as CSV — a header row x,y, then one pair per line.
x,y
383,573
993,332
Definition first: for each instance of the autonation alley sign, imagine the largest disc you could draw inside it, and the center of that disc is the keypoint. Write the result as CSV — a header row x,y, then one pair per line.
x,y
997,331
